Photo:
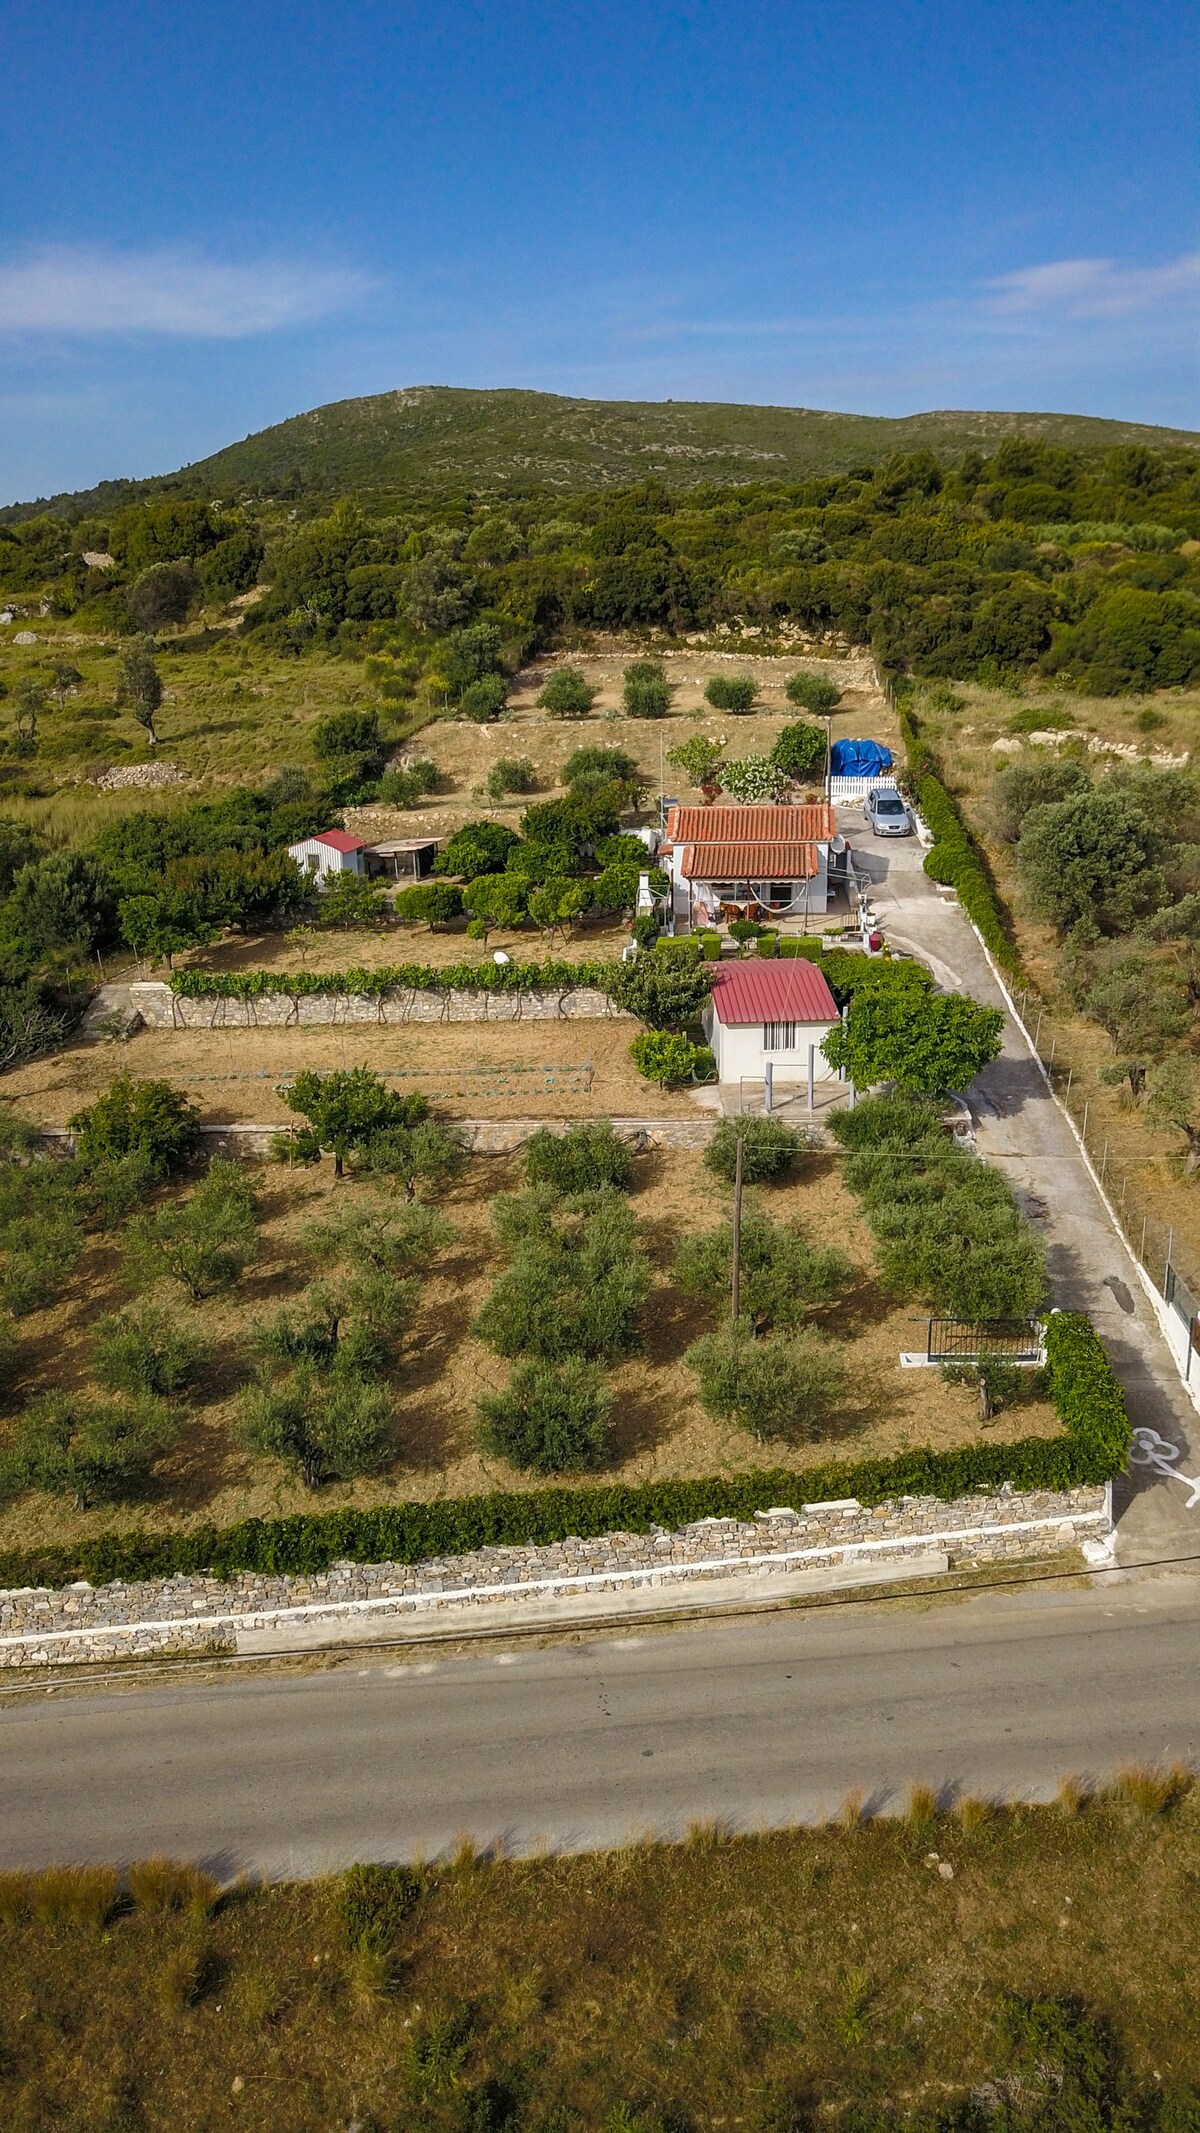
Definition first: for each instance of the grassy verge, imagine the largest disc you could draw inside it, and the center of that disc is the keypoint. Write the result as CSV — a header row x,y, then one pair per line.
x,y
903,1974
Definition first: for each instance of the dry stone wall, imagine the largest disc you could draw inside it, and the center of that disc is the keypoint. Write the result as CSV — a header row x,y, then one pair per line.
x,y
40,1627
160,1008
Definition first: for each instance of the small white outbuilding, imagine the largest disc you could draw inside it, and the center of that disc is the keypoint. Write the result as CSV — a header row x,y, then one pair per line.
x,y
766,1010
329,852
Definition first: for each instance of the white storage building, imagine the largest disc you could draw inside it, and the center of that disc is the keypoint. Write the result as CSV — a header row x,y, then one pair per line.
x,y
329,852
769,1010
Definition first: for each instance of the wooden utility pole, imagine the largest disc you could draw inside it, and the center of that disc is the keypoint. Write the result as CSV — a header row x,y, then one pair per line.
x,y
736,1255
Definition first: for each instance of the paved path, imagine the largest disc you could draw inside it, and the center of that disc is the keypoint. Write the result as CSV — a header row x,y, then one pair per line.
x,y
762,1722
1022,1129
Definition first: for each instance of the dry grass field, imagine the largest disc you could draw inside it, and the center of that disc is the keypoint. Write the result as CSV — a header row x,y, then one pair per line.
x,y
822,1978
469,1069
660,1428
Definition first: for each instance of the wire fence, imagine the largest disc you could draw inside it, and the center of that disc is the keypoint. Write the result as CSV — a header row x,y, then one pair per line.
x,y
1170,1261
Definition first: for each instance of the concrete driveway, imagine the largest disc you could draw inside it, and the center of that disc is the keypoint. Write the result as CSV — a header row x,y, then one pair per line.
x,y
1021,1128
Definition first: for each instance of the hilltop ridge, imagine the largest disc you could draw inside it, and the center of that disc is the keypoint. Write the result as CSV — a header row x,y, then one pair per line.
x,y
448,438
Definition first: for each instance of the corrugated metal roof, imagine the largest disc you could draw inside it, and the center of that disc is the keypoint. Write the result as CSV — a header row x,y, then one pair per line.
x,y
743,824
339,840
749,862
762,990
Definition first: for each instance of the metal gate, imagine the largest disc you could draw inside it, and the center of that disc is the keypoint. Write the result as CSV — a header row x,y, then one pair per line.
x,y
1003,1340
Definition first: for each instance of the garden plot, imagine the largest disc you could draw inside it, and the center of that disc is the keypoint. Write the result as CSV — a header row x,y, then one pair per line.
x,y
465,753
468,1070
660,1428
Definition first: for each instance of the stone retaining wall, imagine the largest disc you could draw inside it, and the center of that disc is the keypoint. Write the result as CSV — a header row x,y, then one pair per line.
x,y
43,1627
479,1136
160,1008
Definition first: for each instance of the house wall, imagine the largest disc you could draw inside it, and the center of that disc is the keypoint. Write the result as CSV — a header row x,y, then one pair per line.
x,y
321,859
738,1047
812,895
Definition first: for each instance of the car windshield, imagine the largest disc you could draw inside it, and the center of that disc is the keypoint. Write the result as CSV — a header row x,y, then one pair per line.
x,y
889,803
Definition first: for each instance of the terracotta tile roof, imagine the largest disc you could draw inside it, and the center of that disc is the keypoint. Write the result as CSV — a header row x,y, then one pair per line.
x,y
338,840
749,862
764,991
744,824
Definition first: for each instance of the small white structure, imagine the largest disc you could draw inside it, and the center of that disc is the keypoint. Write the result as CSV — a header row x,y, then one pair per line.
x,y
329,852
745,860
770,1012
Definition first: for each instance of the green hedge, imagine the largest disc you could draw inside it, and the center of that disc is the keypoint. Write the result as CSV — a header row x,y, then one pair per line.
x,y
1094,1446
955,858
396,977
1087,1395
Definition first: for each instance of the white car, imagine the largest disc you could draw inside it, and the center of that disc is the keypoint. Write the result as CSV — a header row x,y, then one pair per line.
x,y
886,812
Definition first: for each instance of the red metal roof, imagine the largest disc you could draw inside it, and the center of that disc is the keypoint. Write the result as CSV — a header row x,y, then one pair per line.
x,y
744,824
762,990
338,840
749,862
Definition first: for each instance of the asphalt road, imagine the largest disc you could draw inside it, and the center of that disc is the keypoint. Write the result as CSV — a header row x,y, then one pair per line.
x,y
762,1721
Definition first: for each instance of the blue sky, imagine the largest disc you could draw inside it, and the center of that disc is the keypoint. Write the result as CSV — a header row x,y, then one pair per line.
x,y
212,217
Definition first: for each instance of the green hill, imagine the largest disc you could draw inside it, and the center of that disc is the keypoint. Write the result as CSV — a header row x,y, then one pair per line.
x,y
438,438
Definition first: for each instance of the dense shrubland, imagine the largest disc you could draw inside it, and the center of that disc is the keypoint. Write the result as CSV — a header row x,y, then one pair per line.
x,y
1034,555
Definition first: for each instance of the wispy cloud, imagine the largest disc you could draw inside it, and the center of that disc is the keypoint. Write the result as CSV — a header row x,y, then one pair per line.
x,y
172,292
1095,288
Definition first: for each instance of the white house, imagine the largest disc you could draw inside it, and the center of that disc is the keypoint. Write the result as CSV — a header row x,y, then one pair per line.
x,y
768,1010
329,852
741,860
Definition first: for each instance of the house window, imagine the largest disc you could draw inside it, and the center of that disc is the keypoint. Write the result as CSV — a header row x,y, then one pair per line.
x,y
781,892
779,1036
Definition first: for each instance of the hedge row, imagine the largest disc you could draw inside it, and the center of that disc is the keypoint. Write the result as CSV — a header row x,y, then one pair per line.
x,y
955,858
1093,1447
396,977
1087,1396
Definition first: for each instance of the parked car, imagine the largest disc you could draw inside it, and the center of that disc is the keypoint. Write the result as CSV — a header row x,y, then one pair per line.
x,y
886,812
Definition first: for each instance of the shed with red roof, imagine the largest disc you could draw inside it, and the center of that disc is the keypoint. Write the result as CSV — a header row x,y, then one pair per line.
x,y
329,852
769,1010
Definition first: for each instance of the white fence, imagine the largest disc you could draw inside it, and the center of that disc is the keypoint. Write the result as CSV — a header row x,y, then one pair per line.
x,y
844,792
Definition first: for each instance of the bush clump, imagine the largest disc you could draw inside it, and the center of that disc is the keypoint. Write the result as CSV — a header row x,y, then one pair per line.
x,y
949,1232
799,750
205,1242
782,1387
510,773
94,1451
585,1158
769,1149
551,1418
577,1280
144,1351
813,692
148,1119
666,988
430,903
376,1902
477,848
732,692
781,1277
645,690
567,694
484,700
671,1059
406,786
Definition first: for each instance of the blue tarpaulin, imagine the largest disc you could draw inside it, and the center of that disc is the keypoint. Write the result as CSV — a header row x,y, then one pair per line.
x,y
858,759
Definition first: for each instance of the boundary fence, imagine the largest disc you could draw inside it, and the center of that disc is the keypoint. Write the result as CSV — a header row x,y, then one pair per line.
x,y
1170,1263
